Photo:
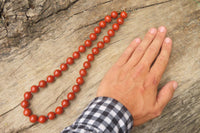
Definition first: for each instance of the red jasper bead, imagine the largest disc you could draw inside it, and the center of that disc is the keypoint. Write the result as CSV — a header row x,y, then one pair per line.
x,y
50,78
83,72
79,81
123,14
81,48
51,115
34,89
120,21
93,36
100,44
88,43
76,55
59,110
27,112
63,67
95,50
114,14
27,95
70,60
90,57
111,32
106,39
97,30
86,64
108,19
42,84
70,96
42,119
57,73
115,26
65,103
33,118
102,24
24,103
76,88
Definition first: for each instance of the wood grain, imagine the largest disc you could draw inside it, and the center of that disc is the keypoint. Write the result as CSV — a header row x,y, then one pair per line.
x,y
37,36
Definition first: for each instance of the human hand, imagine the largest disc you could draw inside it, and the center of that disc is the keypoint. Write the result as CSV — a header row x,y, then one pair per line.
x,y
133,80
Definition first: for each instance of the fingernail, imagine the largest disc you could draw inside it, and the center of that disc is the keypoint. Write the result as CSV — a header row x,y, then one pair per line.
x,y
152,31
162,29
175,85
168,40
137,40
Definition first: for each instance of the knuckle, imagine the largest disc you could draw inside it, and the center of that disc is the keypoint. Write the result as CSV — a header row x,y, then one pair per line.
x,y
153,49
140,49
163,58
157,112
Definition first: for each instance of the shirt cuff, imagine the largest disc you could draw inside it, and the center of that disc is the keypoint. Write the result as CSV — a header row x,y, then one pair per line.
x,y
103,114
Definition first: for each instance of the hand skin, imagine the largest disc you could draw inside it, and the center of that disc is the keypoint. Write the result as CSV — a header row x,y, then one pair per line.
x,y
133,80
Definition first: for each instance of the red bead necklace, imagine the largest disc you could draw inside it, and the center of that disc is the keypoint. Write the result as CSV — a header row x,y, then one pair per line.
x,y
70,60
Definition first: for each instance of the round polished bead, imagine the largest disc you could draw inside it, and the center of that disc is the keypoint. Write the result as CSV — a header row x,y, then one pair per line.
x,y
111,32
83,72
65,103
81,48
120,21
33,118
102,24
108,19
106,39
59,110
93,36
95,50
24,103
27,112
63,67
42,119
34,89
79,81
97,30
100,44
27,95
86,64
115,26
50,79
90,57
76,55
70,96
114,14
70,60
57,73
76,88
51,115
123,14
42,84
88,43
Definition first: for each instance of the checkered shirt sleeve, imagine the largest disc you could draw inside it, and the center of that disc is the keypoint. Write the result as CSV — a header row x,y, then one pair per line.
x,y
103,115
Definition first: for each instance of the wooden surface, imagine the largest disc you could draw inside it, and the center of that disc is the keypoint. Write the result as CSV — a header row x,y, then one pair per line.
x,y
37,36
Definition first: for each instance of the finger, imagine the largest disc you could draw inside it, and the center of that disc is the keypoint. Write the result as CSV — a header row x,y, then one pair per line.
x,y
140,50
165,94
128,52
154,48
160,64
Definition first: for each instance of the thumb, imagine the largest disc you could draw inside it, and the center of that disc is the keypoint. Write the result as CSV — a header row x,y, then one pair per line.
x,y
166,94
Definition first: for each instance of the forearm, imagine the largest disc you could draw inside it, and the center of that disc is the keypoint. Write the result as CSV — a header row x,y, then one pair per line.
x,y
102,115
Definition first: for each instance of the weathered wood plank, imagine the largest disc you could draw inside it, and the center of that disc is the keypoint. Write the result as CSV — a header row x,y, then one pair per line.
x,y
49,32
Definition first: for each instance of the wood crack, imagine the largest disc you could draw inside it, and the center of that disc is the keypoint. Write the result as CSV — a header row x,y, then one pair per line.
x,y
25,128
9,110
142,7
71,4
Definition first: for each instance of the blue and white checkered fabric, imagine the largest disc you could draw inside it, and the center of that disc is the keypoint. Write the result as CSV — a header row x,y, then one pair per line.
x,y
103,115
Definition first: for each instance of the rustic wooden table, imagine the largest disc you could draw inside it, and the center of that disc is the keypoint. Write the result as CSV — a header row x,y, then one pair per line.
x,y
36,36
